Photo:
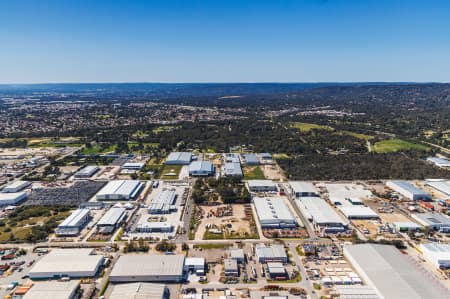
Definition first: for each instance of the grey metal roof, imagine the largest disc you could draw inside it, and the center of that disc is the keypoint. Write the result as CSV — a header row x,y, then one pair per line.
x,y
251,159
441,185
232,158
112,217
320,210
52,290
261,183
179,157
138,290
271,252
201,166
17,185
148,265
74,218
409,187
233,168
391,273
303,187
439,161
87,170
273,208
123,188
431,219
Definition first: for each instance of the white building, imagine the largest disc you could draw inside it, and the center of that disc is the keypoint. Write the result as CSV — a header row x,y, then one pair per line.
x,y
73,263
120,190
16,186
434,221
154,227
439,162
237,254
136,166
179,158
232,169
303,189
358,212
86,172
437,253
442,186
195,264
262,186
111,220
7,199
339,194
54,290
408,191
273,212
73,224
272,253
139,290
163,203
201,168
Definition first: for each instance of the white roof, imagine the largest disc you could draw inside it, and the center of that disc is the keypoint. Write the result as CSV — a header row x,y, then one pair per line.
x,y
201,166
340,192
320,210
271,252
407,224
87,170
19,185
75,217
261,183
112,217
120,187
148,265
439,161
431,219
303,187
194,261
179,157
237,253
14,196
391,273
272,208
52,290
355,292
358,211
133,165
138,290
440,185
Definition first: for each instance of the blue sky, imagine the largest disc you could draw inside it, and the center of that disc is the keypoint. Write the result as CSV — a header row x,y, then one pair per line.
x,y
224,41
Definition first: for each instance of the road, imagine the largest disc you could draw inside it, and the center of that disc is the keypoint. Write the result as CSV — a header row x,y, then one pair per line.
x,y
305,284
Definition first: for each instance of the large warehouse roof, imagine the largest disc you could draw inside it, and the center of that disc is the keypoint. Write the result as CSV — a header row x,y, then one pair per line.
x,y
303,188
233,169
261,184
407,187
53,290
437,253
390,273
270,252
87,171
112,217
12,198
319,210
360,212
273,209
71,262
16,186
75,218
440,185
431,219
179,158
201,166
138,290
148,267
124,189
341,192
439,161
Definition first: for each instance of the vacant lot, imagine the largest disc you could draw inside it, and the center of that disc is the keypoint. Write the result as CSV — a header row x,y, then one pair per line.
x,y
171,172
253,173
306,127
395,145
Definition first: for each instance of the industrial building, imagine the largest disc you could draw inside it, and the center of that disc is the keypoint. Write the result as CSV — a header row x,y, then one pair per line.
x,y
201,168
237,254
16,186
138,290
353,292
232,169
163,203
276,270
437,253
195,265
7,199
390,273
54,290
272,253
148,268
321,214
439,162
230,267
250,159
72,263
273,212
406,226
434,220
262,186
265,158
154,227
86,172
111,220
136,166
358,212
73,224
409,191
120,190
179,158
303,189
231,158
340,194
442,186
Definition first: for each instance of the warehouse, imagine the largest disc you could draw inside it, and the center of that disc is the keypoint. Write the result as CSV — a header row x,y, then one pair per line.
x,y
87,172
232,169
303,189
354,292
265,158
237,254
273,212
54,290
139,290
133,166
276,270
322,215
73,263
201,168
272,253
111,220
7,199
16,186
163,203
437,253
390,273
154,227
230,267
340,194
358,212
179,158
250,159
73,224
434,220
442,186
195,265
406,226
408,191
439,162
262,186
232,158
148,268
120,190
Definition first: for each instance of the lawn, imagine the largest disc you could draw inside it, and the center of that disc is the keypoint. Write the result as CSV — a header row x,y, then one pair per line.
x,y
253,173
395,145
358,135
97,149
306,127
171,172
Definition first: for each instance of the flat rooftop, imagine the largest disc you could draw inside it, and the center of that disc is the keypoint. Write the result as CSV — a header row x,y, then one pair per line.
x,y
52,290
319,210
138,290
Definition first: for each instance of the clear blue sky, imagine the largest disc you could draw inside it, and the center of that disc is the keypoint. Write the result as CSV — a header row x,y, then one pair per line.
x,y
224,41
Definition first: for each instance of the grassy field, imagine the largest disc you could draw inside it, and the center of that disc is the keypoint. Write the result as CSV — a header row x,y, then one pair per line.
x,y
97,149
253,173
161,129
358,135
171,172
306,127
395,145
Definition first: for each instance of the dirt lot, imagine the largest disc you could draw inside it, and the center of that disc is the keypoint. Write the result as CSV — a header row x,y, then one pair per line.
x,y
272,172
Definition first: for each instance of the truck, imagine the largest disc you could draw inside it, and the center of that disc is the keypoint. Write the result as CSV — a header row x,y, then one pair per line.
x,y
12,285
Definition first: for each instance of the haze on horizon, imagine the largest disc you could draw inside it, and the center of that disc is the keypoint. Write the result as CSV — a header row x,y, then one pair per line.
x,y
224,41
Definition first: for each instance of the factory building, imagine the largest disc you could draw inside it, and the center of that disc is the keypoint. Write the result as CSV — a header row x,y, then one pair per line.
x,y
439,162
390,273
321,214
303,189
342,194
231,158
272,253
16,186
138,290
179,158
86,172
72,263
437,253
273,212
262,186
232,169
111,220
8,199
358,212
163,203
73,224
408,191
434,220
201,168
442,186
154,227
54,290
250,159
148,268
120,190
